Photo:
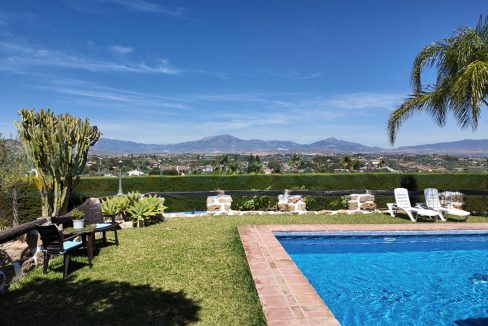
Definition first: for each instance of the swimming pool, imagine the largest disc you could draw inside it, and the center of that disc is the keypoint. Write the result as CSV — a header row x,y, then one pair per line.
x,y
396,278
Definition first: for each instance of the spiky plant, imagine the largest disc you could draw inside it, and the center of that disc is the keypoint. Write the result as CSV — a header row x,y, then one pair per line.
x,y
58,148
461,86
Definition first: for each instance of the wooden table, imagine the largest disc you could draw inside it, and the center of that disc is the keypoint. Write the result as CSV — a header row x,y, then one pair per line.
x,y
87,235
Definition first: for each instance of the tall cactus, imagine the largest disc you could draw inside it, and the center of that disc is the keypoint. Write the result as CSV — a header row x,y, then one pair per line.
x,y
58,146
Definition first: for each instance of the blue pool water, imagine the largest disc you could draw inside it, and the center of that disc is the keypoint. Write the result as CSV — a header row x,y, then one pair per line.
x,y
397,279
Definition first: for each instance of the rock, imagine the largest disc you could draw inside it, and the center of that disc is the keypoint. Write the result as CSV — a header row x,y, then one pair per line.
x,y
292,204
220,204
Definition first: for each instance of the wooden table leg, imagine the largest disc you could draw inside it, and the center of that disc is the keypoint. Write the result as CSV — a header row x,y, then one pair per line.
x,y
90,247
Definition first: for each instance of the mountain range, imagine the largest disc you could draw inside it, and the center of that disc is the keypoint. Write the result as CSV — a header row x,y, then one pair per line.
x,y
231,144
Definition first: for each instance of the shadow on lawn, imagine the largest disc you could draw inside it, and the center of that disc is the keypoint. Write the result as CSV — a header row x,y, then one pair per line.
x,y
88,302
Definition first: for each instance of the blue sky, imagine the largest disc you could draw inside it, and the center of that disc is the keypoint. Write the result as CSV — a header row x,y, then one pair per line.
x,y
164,72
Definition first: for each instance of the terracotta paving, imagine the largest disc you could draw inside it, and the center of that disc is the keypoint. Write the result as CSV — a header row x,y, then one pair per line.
x,y
286,295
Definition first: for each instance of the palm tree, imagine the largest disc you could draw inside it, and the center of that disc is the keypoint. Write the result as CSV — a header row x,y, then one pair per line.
x,y
461,87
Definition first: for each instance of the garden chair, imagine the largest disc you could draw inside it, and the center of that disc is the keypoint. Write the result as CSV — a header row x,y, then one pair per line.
x,y
402,202
54,244
432,201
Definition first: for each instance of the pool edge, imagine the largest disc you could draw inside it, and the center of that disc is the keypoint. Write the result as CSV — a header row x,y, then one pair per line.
x,y
286,296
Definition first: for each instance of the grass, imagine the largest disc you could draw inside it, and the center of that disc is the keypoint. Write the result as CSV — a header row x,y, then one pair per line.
x,y
175,273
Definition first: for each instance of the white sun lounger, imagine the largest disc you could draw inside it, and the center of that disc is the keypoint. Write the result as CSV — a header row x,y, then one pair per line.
x,y
432,201
402,202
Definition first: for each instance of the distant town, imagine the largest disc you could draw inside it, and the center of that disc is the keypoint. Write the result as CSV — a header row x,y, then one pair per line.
x,y
185,164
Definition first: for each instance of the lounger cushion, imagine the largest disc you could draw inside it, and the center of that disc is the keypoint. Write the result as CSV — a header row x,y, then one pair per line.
x,y
458,212
69,245
102,225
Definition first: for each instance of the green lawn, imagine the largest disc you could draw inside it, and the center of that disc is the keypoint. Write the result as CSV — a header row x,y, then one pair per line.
x,y
175,273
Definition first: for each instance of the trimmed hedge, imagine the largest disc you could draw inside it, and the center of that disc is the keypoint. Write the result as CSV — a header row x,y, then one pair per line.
x,y
30,203
103,186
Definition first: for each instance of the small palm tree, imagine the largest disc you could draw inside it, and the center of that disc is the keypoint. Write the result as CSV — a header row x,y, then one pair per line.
x,y
461,87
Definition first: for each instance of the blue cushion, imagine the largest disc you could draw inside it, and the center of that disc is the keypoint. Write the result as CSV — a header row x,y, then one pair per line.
x,y
102,225
69,245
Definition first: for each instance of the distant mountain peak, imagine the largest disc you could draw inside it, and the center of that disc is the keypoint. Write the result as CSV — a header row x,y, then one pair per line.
x,y
230,144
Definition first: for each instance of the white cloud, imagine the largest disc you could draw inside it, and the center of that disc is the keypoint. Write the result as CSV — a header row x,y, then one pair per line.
x,y
110,96
121,50
364,101
149,7
17,56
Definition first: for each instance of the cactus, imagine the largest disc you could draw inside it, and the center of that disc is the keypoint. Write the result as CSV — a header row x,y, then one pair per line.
x,y
58,147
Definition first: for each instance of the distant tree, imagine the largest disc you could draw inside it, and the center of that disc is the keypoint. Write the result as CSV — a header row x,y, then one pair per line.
x,y
275,165
14,173
350,163
295,162
254,164
461,86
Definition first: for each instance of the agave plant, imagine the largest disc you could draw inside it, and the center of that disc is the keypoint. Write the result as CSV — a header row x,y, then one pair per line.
x,y
132,197
155,204
139,212
110,207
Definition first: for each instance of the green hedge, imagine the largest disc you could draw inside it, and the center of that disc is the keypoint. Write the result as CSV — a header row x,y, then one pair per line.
x,y
103,186
30,205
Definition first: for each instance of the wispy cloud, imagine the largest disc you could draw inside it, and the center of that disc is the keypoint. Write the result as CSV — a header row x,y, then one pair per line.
x,y
108,95
149,7
364,101
121,50
18,56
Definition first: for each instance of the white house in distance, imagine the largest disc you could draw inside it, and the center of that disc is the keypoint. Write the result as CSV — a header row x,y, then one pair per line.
x,y
135,173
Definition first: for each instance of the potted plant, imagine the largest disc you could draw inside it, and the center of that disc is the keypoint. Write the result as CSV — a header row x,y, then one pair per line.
x,y
78,219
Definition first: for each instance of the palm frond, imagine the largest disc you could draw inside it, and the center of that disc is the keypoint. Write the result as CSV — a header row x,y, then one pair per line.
x,y
430,102
461,85
426,57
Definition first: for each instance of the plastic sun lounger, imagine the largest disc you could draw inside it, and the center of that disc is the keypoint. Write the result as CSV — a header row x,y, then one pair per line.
x,y
402,202
432,201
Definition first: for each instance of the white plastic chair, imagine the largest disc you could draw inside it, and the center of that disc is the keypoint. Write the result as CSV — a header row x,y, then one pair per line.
x,y
432,201
402,202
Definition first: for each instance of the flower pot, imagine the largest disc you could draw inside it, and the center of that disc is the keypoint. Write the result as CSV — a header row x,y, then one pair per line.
x,y
78,224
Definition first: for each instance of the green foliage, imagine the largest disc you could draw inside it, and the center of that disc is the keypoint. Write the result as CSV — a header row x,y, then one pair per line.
x,y
409,182
132,197
143,209
111,207
139,212
14,169
295,162
461,86
29,205
134,206
254,164
77,214
256,203
58,148
155,204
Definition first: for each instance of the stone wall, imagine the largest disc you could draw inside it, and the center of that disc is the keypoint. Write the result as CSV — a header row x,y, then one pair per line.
x,y
220,204
18,257
451,199
292,204
362,202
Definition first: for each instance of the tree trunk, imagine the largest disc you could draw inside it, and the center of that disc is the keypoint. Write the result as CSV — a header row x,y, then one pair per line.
x,y
15,207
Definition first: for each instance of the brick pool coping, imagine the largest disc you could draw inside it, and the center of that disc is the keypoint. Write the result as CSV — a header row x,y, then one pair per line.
x,y
286,295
